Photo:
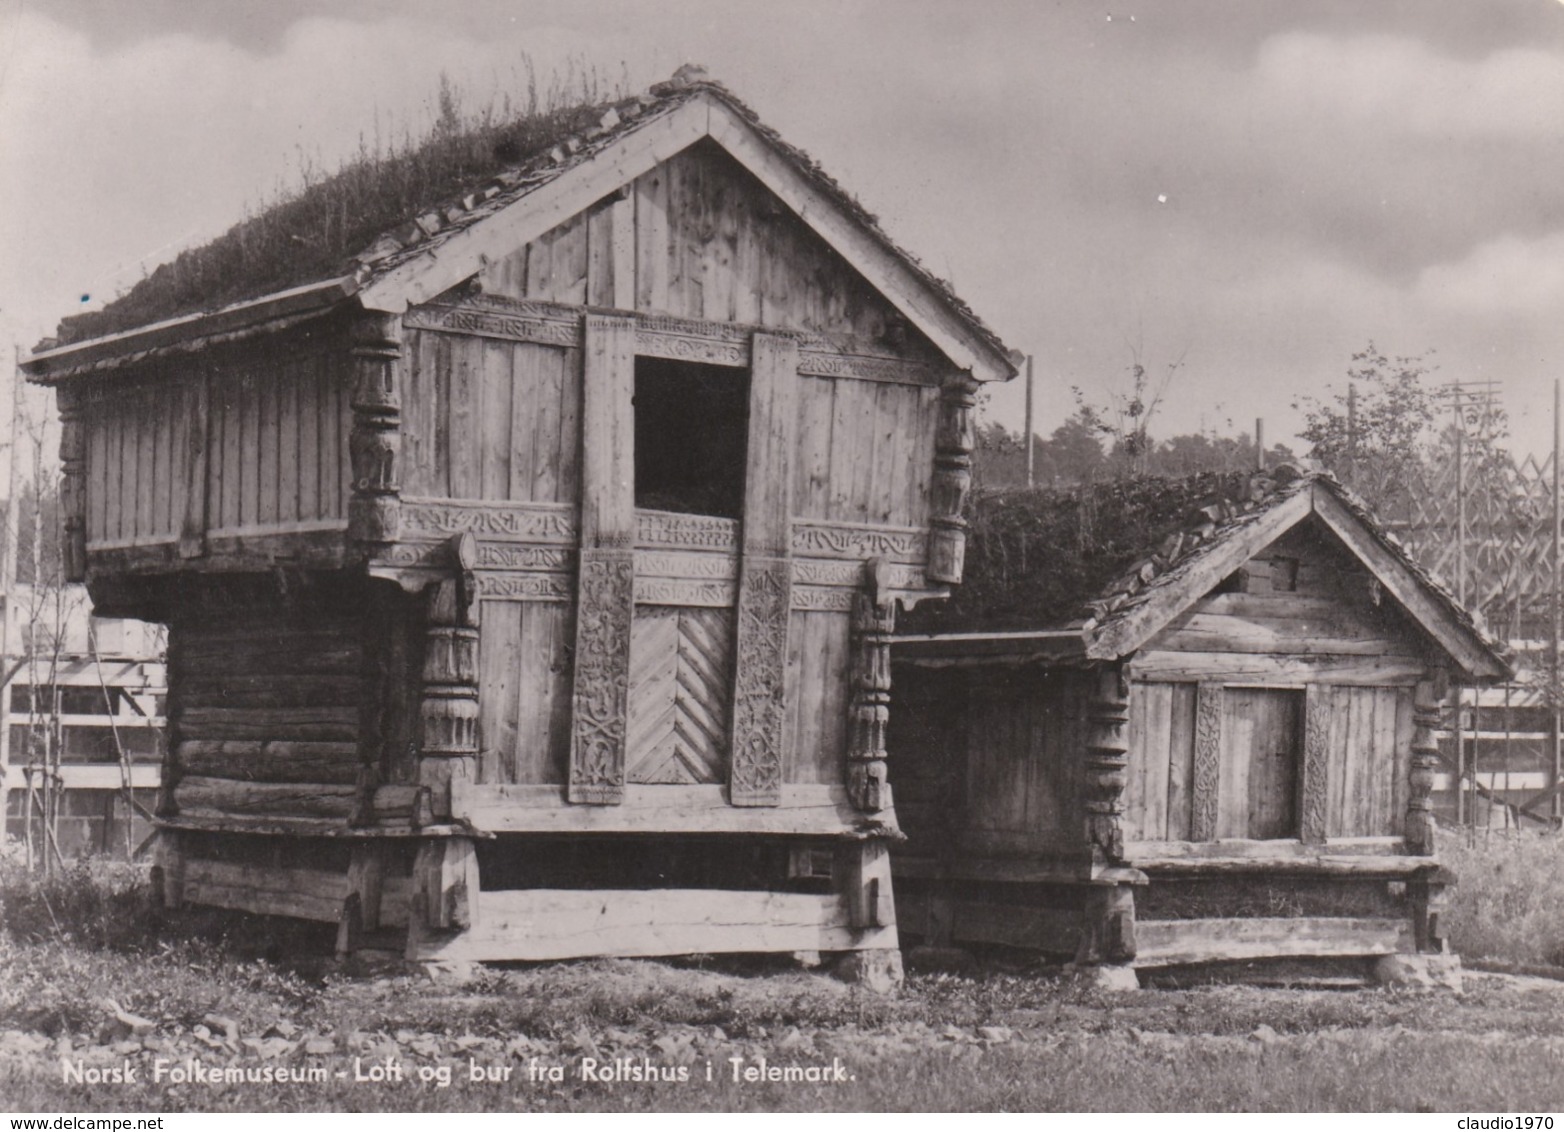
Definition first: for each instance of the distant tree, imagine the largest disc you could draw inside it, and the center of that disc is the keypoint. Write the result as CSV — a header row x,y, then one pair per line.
x,y
1382,421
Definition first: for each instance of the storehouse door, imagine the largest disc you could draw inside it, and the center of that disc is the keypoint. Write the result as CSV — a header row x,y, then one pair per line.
x,y
1262,749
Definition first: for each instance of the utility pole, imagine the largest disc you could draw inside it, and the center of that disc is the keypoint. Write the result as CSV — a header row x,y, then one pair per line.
x,y
1555,804
1259,444
1031,425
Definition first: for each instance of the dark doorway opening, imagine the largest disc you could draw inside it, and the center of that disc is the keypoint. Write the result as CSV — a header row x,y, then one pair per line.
x,y
691,435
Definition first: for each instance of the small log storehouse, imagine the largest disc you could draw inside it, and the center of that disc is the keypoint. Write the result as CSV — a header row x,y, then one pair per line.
x,y
1171,723
530,578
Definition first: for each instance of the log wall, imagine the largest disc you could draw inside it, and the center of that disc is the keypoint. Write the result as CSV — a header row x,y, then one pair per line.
x,y
267,714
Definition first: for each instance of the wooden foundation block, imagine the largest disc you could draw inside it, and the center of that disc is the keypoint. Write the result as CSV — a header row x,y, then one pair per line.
x,y
1108,925
863,874
445,885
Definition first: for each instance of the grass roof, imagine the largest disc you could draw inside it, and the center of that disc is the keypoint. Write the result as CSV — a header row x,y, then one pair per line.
x,y
316,232
1036,557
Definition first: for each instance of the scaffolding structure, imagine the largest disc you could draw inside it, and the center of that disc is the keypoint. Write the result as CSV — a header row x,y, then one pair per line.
x,y
1487,523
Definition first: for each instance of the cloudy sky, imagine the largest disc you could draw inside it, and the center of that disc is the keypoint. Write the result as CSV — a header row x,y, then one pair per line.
x,y
1255,187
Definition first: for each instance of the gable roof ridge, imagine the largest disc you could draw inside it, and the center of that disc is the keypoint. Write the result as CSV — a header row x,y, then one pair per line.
x,y
1470,617
416,235
1209,524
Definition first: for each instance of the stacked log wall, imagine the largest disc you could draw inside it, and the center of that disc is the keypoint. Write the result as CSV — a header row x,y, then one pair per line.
x,y
267,715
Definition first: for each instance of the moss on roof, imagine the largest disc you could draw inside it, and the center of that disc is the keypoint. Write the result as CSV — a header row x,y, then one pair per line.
x,y
1037,558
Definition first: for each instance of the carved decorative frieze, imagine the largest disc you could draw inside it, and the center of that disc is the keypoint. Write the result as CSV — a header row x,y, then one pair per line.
x,y
516,522
848,573
759,706
823,599
953,443
541,325
685,591
874,620
600,703
685,347
863,367
695,532
859,541
674,564
73,486
524,587
660,336
1107,747
374,444
1419,833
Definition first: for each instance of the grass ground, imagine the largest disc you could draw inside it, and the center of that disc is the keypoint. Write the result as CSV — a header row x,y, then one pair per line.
x,y
996,1037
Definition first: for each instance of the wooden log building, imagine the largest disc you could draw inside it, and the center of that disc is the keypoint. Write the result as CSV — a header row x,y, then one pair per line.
x,y
1215,745
530,580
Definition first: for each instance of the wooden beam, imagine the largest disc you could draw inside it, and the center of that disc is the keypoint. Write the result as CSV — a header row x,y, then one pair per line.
x,y
1277,669
766,576
543,924
606,592
1268,850
305,894
1166,943
803,810
1430,611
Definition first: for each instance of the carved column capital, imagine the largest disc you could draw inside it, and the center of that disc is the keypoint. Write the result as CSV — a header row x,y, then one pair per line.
x,y
73,486
953,443
1426,718
1107,761
374,445
448,708
874,620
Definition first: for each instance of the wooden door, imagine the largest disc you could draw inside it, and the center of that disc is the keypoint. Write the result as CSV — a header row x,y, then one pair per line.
x,y
1262,749
681,682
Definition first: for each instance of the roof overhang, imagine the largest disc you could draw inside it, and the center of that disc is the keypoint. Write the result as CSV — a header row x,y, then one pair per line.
x,y
191,332
1028,646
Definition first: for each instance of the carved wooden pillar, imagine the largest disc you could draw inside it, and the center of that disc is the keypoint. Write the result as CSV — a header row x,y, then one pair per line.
x,y
1207,771
448,745
605,594
952,479
1314,820
1419,833
765,577
374,445
874,620
1107,748
73,486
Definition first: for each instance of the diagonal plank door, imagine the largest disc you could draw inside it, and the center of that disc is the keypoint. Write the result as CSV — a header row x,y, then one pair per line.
x,y
681,681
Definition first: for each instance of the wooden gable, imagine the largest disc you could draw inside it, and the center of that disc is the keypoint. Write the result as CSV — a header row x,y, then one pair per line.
x,y
1357,551
1303,597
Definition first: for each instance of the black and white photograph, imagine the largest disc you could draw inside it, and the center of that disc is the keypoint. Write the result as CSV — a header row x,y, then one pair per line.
x,y
795,556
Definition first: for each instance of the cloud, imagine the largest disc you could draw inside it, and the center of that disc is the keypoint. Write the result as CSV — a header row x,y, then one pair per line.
x,y
1508,276
1394,84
